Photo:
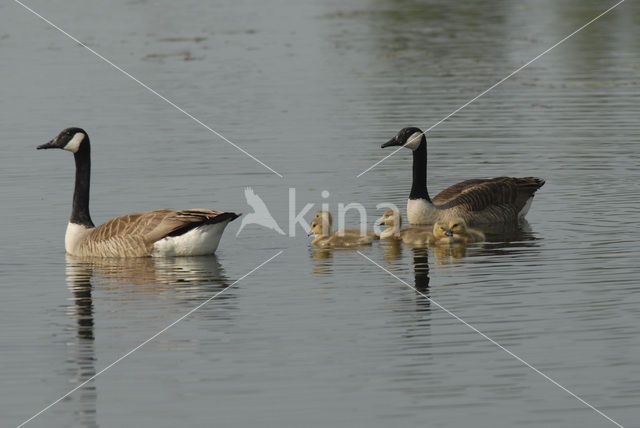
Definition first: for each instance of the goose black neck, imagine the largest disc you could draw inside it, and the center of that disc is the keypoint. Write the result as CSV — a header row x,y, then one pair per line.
x,y
80,209
419,186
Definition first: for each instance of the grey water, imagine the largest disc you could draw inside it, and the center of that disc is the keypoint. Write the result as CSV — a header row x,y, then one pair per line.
x,y
321,338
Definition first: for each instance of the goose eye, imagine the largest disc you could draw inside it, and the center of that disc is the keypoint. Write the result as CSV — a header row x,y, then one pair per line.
x,y
455,225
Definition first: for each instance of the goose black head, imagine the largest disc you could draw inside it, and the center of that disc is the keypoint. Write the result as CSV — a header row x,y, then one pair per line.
x,y
70,139
410,137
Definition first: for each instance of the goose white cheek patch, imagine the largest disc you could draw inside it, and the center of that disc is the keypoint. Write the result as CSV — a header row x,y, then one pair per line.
x,y
74,144
413,141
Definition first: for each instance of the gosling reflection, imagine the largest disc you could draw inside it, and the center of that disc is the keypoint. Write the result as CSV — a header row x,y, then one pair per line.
x,y
446,254
391,249
322,261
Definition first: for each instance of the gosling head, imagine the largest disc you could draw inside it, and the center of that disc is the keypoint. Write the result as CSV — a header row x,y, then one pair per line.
x,y
440,230
453,231
458,226
71,139
321,224
410,137
316,228
391,217
325,216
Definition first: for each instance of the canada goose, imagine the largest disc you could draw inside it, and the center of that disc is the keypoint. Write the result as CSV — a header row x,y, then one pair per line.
x,y
455,232
162,232
477,201
412,236
346,238
327,221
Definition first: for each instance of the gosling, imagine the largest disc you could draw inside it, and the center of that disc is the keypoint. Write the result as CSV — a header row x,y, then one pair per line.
x,y
328,220
345,238
455,232
413,236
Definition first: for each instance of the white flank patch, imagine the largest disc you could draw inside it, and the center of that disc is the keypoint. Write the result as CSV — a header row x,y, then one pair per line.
x,y
413,142
421,211
76,233
200,241
523,212
74,144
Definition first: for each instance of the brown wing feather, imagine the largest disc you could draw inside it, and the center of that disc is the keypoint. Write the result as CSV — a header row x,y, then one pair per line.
x,y
454,191
152,226
196,217
138,224
480,194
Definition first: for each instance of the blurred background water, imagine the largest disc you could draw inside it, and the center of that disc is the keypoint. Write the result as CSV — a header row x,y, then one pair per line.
x,y
321,338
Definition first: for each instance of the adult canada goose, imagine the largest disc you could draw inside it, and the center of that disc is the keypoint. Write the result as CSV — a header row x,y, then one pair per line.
x,y
346,238
455,232
415,237
162,232
477,201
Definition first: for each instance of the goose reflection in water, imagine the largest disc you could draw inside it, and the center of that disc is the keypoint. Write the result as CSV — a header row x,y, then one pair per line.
x,y
82,358
421,271
192,279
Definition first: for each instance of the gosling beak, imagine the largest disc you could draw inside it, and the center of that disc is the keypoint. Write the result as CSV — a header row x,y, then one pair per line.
x,y
391,142
310,233
449,233
49,145
380,221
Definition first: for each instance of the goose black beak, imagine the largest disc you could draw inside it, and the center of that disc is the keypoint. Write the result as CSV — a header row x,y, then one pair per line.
x,y
391,142
449,233
49,145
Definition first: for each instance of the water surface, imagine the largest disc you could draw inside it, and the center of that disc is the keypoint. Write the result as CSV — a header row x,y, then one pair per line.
x,y
321,338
